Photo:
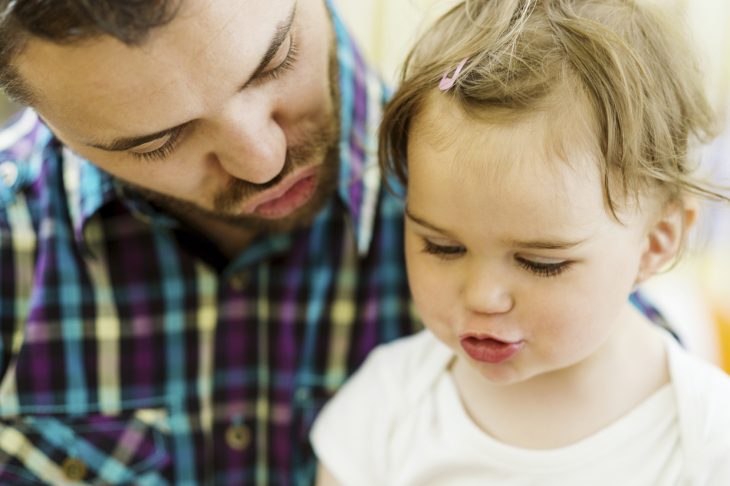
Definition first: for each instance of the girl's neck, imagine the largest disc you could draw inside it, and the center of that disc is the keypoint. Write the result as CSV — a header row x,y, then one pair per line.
x,y
562,407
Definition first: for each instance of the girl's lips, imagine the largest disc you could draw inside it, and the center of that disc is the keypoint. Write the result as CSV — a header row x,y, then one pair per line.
x,y
488,349
282,200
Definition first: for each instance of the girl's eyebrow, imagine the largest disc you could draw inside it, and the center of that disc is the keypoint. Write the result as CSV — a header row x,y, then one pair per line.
x,y
546,244
423,222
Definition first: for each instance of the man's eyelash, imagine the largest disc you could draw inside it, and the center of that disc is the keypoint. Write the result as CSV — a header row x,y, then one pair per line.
x,y
287,64
162,152
544,269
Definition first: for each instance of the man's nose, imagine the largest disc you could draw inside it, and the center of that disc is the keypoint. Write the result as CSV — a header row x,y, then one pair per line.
x,y
249,144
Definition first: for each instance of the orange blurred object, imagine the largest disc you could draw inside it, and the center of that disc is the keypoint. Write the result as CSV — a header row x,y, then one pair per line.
x,y
723,337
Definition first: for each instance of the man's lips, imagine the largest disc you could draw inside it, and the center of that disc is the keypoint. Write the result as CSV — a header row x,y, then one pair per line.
x,y
489,349
285,198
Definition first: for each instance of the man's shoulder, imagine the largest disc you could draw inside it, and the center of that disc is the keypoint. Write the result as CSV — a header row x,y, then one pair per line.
x,y
24,148
18,136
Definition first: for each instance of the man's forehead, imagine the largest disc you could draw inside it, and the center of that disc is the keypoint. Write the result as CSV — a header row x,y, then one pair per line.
x,y
210,44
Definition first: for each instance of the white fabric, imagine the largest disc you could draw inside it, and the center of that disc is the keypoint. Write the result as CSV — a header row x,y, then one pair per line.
x,y
399,421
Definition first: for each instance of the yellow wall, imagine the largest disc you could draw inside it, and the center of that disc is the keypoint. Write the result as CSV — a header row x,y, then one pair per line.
x,y
387,28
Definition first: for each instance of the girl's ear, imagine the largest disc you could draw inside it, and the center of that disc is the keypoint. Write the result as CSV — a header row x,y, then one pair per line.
x,y
665,237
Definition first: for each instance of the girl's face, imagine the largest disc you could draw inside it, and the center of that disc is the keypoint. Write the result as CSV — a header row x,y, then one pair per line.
x,y
513,260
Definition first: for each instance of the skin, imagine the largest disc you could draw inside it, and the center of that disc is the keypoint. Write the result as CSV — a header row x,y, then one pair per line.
x,y
508,234
246,127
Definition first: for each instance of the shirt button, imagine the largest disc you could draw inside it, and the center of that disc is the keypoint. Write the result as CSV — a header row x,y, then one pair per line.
x,y
74,469
8,173
238,437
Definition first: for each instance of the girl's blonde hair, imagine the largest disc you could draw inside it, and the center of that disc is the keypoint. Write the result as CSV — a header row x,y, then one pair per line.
x,y
630,63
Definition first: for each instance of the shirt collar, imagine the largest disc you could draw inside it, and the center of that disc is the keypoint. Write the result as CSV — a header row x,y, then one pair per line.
x,y
362,96
24,144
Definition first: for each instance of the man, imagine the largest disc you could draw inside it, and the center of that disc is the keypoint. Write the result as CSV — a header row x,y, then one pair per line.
x,y
178,309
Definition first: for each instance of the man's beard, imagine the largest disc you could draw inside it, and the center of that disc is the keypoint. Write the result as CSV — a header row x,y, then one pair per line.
x,y
322,146
227,204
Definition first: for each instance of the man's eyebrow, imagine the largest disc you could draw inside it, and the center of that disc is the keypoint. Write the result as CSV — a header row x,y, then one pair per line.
x,y
126,143
282,31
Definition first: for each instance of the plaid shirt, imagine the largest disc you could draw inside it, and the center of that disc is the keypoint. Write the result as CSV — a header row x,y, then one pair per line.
x,y
128,358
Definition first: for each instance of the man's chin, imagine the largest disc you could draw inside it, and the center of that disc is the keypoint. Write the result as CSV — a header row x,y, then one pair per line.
x,y
201,218
262,224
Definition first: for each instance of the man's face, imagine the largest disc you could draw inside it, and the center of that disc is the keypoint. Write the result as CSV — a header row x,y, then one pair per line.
x,y
228,112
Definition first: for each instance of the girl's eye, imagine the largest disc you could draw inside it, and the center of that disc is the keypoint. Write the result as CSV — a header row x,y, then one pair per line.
x,y
284,64
157,149
444,252
542,269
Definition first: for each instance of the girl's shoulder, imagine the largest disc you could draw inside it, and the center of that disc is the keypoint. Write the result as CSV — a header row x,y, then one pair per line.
x,y
703,394
390,384
697,380
407,367
354,434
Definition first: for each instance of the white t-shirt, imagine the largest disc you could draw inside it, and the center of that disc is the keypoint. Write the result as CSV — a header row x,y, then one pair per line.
x,y
399,421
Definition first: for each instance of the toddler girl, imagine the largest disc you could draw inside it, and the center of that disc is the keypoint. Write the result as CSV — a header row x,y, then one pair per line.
x,y
544,148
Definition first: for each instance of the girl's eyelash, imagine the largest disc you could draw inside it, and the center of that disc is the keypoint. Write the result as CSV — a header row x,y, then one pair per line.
x,y
441,251
162,152
449,252
544,269
288,63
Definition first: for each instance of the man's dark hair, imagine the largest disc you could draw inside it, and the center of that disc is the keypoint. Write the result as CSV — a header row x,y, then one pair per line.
x,y
71,21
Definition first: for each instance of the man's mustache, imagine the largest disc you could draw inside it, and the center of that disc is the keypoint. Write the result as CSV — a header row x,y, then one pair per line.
x,y
296,156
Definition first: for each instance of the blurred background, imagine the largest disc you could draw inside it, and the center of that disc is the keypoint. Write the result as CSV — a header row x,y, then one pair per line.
x,y
695,296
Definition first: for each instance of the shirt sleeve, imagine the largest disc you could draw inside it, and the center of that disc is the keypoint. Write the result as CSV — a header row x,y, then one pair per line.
x,y
350,436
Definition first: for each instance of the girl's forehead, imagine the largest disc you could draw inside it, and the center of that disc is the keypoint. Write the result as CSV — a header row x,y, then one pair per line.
x,y
507,139
535,158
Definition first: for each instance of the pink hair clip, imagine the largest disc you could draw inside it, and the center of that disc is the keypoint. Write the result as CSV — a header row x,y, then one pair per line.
x,y
447,82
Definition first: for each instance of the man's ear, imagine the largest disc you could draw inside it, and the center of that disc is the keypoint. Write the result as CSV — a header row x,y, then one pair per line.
x,y
665,237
